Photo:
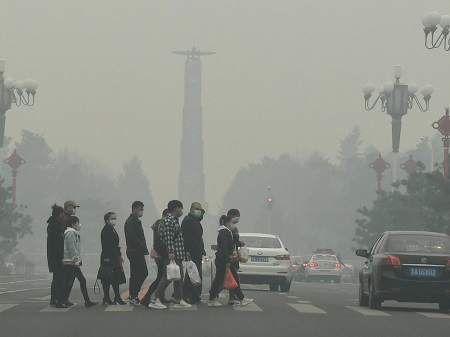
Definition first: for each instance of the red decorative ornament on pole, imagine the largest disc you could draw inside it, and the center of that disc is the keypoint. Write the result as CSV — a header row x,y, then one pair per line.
x,y
379,166
443,126
409,166
14,161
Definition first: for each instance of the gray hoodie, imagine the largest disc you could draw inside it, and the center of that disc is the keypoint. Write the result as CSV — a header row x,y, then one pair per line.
x,y
72,247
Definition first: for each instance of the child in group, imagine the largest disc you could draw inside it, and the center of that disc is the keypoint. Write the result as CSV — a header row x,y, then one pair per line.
x,y
72,263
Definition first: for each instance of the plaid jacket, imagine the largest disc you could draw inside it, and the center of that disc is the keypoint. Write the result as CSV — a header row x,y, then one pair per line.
x,y
170,234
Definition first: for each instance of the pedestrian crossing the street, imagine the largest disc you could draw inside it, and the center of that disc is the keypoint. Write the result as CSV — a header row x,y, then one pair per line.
x,y
300,306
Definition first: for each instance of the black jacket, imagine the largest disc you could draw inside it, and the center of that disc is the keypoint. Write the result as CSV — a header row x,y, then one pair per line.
x,y
110,245
225,245
134,236
192,231
55,244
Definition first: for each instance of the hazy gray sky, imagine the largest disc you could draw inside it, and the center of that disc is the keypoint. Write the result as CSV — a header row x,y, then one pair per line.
x,y
287,78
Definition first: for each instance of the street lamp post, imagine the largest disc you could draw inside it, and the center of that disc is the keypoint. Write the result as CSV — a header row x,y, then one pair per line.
x,y
269,208
396,98
12,91
443,126
14,161
430,22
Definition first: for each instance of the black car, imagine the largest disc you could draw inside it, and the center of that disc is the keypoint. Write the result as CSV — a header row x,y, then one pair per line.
x,y
407,266
299,263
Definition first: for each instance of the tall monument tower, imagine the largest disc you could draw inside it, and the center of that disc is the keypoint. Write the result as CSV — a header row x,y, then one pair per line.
x,y
191,184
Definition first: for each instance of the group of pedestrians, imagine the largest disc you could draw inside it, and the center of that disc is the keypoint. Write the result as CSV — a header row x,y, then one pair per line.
x,y
172,241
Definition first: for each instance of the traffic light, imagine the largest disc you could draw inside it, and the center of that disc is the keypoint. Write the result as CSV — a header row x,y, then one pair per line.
x,y
269,203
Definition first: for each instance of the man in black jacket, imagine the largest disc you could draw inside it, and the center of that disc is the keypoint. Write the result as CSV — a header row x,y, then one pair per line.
x,y
136,250
55,252
192,231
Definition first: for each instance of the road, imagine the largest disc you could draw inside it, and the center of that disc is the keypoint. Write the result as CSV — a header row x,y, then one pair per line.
x,y
310,309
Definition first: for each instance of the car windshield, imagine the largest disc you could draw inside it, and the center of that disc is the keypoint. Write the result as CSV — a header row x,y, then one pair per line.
x,y
418,243
324,258
261,242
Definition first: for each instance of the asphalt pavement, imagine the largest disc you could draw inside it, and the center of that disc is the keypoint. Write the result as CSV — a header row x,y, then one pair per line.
x,y
309,309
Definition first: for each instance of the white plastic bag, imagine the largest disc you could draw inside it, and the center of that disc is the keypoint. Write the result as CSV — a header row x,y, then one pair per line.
x,y
193,273
243,254
173,271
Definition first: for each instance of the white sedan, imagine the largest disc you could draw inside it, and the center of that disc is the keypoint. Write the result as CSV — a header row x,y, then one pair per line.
x,y
323,267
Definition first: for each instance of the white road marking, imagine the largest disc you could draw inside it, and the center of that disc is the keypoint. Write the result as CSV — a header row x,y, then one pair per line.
x,y
4,307
21,290
39,279
304,302
367,311
120,308
45,298
53,309
434,315
292,296
250,307
353,299
306,308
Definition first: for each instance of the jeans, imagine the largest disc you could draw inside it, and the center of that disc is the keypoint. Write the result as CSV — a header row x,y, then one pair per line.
x,y
154,285
189,290
217,285
70,273
138,272
164,283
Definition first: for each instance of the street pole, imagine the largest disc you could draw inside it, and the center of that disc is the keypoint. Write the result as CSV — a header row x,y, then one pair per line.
x,y
443,126
14,161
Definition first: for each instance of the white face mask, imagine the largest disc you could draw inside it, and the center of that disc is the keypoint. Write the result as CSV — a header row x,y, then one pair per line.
x,y
236,219
77,227
113,222
197,213
74,211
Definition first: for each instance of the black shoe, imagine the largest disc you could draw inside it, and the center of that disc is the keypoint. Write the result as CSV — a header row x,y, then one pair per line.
x,y
68,303
144,303
52,303
119,301
107,301
61,305
89,304
166,301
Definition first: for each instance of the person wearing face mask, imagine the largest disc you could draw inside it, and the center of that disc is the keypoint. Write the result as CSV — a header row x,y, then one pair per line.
x,y
235,215
111,261
172,239
192,231
72,263
70,208
136,250
55,252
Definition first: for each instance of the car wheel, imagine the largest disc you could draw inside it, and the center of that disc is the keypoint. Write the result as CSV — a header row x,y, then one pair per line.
x,y
285,286
363,298
444,306
337,279
273,287
374,302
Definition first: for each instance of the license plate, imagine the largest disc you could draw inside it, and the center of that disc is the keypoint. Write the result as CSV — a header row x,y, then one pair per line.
x,y
423,272
259,259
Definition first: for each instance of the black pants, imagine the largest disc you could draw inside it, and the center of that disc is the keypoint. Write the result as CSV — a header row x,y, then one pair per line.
x,y
70,273
138,272
106,287
154,285
57,282
217,285
190,291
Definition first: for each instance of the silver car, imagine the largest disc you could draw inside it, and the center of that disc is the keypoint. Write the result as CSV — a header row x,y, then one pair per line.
x,y
269,262
323,267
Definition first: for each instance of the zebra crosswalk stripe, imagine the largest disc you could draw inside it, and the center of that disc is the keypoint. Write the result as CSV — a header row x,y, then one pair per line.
x,y
192,308
119,308
433,314
53,309
306,308
249,307
4,307
367,311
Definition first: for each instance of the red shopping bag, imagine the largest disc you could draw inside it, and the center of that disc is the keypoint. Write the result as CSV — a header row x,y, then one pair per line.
x,y
229,282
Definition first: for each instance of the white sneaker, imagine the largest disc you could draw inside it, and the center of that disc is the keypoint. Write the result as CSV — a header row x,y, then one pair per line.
x,y
157,304
182,305
246,301
214,303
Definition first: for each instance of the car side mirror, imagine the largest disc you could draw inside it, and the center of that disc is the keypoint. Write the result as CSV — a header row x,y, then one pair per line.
x,y
362,253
